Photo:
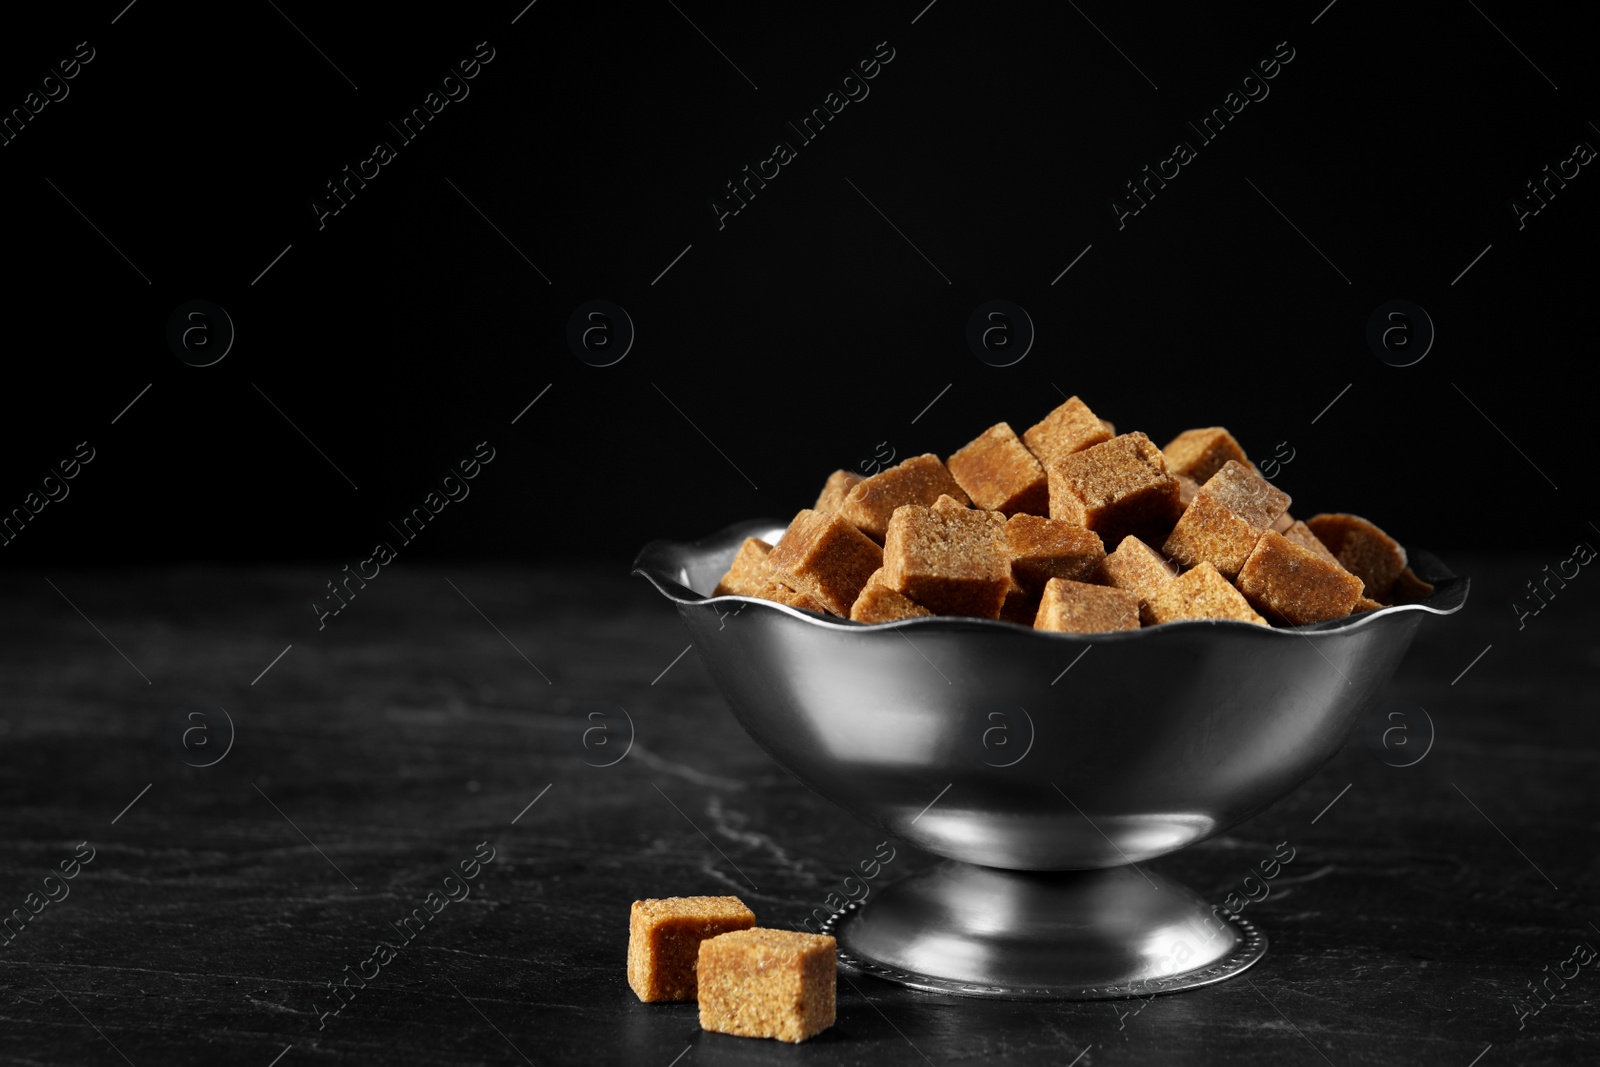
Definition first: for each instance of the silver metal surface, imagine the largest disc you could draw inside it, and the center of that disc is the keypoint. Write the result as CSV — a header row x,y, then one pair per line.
x,y
1069,935
998,745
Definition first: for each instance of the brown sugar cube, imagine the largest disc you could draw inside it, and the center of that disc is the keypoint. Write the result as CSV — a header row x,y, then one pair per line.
x,y
1115,488
947,501
951,562
1111,427
1408,588
1201,453
1020,606
1301,534
664,939
795,598
825,556
1364,550
999,474
919,480
1070,428
1080,608
1283,522
1042,549
1293,584
1201,593
1157,530
1227,515
1242,488
1365,604
835,489
879,603
768,983
1137,568
749,573
1187,490
1209,531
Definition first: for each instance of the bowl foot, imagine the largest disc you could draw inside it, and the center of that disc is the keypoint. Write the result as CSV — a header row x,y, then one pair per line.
x,y
1061,935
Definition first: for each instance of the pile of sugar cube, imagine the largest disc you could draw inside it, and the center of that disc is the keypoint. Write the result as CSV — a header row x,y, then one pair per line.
x,y
1017,528
749,981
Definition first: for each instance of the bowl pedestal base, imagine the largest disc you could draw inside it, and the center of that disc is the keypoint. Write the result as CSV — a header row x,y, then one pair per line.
x,y
1061,935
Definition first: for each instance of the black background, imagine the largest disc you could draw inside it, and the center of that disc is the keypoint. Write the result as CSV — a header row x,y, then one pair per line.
x,y
807,330
796,339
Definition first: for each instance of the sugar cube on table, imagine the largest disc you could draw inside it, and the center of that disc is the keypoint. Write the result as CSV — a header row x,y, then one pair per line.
x,y
768,983
664,938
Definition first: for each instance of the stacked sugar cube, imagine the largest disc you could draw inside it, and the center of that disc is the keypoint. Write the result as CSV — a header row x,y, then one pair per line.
x,y
1018,528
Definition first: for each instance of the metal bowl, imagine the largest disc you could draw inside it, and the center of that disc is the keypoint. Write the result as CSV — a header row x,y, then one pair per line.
x,y
1018,750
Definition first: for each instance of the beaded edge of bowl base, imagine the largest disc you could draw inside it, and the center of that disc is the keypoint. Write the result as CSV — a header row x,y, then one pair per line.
x,y
1252,947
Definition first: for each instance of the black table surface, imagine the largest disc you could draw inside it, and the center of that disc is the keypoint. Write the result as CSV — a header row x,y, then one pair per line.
x,y
447,707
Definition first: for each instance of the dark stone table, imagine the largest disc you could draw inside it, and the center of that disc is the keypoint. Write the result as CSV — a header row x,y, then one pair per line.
x,y
447,708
